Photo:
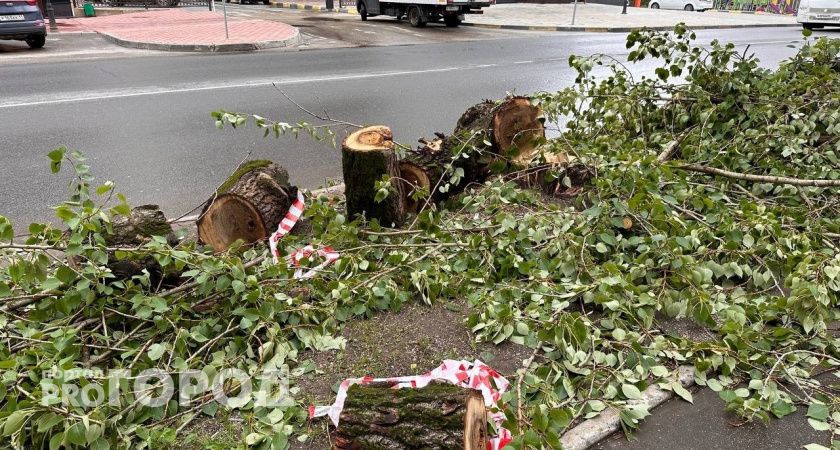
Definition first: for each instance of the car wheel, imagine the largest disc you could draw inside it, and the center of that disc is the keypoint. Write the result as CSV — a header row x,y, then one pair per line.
x,y
362,10
811,26
415,17
654,5
689,7
451,21
36,41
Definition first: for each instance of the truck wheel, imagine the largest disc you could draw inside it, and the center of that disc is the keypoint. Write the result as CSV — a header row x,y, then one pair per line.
x,y
451,21
362,10
415,17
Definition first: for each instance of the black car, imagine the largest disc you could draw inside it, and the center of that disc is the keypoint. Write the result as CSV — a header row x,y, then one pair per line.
x,y
22,20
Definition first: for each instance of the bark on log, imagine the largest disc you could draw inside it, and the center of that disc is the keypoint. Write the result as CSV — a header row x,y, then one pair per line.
x,y
132,231
247,206
367,155
437,417
512,128
506,134
144,222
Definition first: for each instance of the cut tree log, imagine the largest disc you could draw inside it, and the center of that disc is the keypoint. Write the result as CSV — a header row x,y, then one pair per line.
x,y
512,128
366,156
438,417
247,206
502,135
133,230
144,222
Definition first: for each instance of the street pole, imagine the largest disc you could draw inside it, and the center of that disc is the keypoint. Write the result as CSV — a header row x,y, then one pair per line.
x,y
51,16
574,12
624,9
224,10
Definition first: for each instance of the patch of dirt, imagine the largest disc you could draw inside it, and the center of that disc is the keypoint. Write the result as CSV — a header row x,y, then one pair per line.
x,y
686,328
412,341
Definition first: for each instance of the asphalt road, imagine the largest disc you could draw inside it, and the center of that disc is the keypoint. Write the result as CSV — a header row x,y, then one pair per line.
x,y
144,121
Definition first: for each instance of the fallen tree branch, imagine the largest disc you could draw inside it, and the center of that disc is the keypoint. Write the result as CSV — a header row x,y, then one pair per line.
x,y
759,178
672,148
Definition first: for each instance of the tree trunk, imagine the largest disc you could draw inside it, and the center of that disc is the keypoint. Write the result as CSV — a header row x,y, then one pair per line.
x,y
437,417
248,205
367,155
502,135
511,129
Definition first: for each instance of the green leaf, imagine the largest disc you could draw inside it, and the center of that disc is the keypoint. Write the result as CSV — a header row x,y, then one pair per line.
x,y
100,444
817,411
819,425
631,391
815,447
156,351
76,434
682,392
14,422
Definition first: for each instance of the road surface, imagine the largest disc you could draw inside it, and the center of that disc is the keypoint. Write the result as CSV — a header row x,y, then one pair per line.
x,y
144,121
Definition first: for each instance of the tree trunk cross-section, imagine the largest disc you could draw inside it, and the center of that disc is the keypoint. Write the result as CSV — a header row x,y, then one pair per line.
x,y
248,206
438,417
366,156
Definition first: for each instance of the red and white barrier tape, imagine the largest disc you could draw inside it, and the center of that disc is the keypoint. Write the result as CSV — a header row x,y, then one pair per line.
x,y
471,375
293,260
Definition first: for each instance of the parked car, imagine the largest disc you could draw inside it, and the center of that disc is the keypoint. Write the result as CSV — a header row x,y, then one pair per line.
x,y
818,13
21,20
687,5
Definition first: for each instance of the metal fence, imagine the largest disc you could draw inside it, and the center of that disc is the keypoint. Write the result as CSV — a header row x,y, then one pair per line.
x,y
145,3
763,6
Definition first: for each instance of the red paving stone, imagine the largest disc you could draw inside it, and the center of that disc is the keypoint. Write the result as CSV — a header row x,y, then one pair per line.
x,y
180,27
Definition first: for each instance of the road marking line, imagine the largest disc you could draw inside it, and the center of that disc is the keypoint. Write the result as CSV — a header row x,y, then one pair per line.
x,y
82,97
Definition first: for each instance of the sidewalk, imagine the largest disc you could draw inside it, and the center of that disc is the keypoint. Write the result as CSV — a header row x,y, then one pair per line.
x,y
596,17
315,5
589,17
184,30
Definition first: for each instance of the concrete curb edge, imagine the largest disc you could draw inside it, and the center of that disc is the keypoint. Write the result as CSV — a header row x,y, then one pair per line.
x,y
590,432
308,7
618,29
205,48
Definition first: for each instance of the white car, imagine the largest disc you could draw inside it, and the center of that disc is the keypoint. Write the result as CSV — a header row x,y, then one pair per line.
x,y
818,13
687,5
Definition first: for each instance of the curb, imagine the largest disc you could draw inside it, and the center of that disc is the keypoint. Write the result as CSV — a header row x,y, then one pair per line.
x,y
590,432
205,48
619,29
309,7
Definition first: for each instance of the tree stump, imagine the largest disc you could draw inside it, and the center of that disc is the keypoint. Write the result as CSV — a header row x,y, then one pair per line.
x,y
367,155
504,135
248,206
437,417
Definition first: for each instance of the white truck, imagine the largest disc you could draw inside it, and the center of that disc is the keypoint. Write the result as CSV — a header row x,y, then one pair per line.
x,y
421,12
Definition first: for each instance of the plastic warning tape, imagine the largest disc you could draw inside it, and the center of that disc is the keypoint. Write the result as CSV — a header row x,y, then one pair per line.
x,y
294,260
470,375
